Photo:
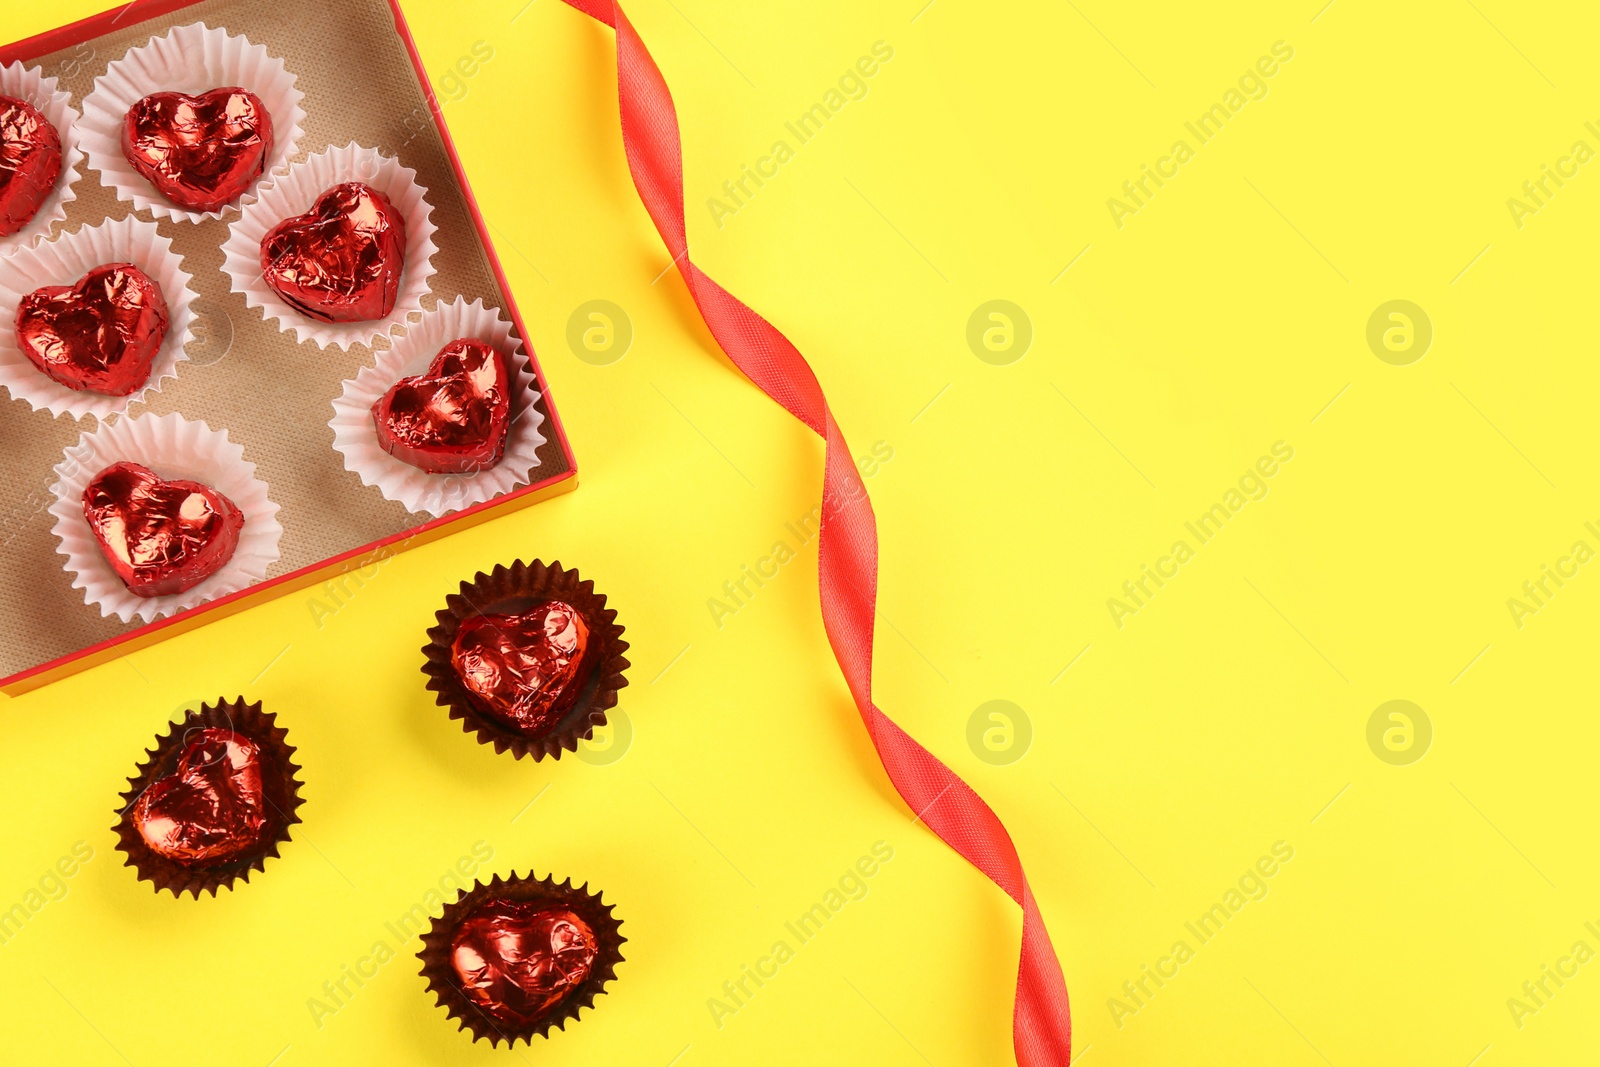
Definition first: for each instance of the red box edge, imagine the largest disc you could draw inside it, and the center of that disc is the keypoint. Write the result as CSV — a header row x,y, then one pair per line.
x,y
284,584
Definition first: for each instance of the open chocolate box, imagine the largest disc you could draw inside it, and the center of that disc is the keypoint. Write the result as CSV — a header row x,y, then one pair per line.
x,y
253,371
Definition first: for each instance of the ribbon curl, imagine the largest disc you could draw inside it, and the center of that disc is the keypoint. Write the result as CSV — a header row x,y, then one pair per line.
x,y
848,544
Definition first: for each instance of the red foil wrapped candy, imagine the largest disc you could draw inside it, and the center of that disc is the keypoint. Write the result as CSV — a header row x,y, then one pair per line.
x,y
516,959
200,152
30,162
341,261
453,419
528,657
211,807
160,537
519,955
524,669
101,335
212,801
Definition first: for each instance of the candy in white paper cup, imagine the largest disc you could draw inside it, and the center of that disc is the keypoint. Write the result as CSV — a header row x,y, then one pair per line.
x,y
190,59
356,438
65,260
27,83
293,193
174,448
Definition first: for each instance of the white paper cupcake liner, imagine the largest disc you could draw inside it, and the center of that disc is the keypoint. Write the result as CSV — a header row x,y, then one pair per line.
x,y
190,59
355,437
292,194
65,260
26,83
174,448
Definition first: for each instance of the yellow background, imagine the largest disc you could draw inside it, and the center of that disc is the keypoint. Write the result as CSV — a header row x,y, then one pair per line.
x,y
1228,714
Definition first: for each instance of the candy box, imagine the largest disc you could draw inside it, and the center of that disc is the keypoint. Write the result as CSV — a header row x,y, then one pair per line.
x,y
242,370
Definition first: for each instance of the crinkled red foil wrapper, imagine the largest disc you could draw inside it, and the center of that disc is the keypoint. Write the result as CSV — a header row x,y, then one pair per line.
x,y
280,793
30,163
341,261
455,417
160,537
488,1008
99,335
516,590
201,152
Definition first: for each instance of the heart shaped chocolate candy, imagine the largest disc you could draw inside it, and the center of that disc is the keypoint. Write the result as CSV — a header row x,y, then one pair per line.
x,y
160,537
200,152
100,335
30,162
210,808
524,670
341,261
518,959
453,419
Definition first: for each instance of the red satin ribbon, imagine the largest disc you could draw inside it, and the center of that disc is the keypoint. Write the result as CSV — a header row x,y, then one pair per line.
x,y
848,563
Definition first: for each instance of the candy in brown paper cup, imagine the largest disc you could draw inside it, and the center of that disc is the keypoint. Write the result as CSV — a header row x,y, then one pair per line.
x,y
229,761
496,693
539,915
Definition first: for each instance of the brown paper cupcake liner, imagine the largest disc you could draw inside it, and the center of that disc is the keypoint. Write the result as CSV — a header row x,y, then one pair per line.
x,y
279,784
441,975
513,590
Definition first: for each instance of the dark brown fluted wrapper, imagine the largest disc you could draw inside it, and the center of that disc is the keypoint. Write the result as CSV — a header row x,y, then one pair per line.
x,y
281,788
513,590
441,975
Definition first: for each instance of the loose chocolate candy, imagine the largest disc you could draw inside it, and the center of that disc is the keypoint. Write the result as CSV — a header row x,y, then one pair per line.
x,y
212,801
518,959
340,261
452,419
160,537
98,336
30,162
200,152
527,657
519,956
524,670
211,808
